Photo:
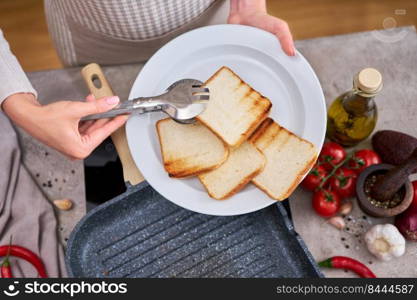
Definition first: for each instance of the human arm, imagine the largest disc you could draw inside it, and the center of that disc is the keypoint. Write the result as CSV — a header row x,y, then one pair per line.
x,y
57,124
254,13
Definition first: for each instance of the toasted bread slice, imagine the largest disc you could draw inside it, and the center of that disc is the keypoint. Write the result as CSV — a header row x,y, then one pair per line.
x,y
243,164
288,158
235,109
189,149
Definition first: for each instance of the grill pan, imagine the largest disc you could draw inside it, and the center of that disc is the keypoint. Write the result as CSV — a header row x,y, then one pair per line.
x,y
141,234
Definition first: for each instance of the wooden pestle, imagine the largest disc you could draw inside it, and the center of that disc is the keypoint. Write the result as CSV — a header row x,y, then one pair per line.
x,y
386,187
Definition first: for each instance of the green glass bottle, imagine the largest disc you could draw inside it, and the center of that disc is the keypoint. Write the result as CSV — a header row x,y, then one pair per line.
x,y
352,116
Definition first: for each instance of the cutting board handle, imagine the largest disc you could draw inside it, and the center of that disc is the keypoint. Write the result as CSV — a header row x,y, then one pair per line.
x,y
100,87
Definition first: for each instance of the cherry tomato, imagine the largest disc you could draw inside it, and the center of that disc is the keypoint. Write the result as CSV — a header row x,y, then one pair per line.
x,y
314,177
326,203
363,159
331,154
343,182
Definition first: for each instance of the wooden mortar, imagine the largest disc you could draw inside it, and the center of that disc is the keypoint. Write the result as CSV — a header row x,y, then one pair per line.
x,y
380,212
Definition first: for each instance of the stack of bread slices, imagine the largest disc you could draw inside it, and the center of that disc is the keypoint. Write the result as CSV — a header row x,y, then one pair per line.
x,y
234,143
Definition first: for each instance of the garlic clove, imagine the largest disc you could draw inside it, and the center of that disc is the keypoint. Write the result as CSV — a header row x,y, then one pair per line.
x,y
337,222
63,204
346,208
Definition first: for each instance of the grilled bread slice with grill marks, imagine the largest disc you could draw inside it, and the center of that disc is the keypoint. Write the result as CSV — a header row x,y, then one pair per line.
x,y
235,110
242,165
288,158
189,149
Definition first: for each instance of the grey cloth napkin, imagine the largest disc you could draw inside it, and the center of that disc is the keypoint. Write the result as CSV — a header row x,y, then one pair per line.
x,y
25,212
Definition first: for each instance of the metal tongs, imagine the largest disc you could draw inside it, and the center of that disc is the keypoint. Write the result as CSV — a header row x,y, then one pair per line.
x,y
183,101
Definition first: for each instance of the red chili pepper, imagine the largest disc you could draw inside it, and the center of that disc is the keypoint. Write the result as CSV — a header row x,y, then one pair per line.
x,y
343,262
27,255
6,270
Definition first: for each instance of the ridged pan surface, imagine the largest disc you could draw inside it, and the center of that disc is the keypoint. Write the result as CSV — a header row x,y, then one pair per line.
x,y
141,234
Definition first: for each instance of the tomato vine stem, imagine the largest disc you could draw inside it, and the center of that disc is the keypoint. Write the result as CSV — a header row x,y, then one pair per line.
x,y
333,171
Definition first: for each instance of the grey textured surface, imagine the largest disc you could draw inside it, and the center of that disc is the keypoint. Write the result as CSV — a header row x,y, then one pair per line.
x,y
58,176
335,61
141,234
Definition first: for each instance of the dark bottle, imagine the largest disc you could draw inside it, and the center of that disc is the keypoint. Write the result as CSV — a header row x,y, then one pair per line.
x,y
352,116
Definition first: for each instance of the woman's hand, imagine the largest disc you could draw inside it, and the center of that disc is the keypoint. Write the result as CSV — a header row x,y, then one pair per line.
x,y
58,124
253,13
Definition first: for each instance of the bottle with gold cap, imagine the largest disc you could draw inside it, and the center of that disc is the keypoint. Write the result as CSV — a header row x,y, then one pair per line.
x,y
352,116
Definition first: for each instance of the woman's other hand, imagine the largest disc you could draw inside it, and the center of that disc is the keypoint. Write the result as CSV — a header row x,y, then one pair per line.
x,y
253,13
58,124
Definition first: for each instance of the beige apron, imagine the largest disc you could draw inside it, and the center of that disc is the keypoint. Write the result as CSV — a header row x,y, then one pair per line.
x,y
92,46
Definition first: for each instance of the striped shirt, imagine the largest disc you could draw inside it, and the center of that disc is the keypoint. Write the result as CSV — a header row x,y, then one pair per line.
x,y
125,19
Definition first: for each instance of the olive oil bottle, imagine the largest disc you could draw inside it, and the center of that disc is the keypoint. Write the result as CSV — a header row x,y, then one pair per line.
x,y
352,116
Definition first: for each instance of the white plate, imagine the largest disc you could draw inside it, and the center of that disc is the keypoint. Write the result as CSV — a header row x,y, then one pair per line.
x,y
256,56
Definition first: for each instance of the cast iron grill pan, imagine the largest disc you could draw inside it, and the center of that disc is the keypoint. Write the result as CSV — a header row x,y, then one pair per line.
x,y
141,234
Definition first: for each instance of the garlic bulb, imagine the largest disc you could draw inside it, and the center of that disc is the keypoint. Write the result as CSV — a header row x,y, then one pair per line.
x,y
385,241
